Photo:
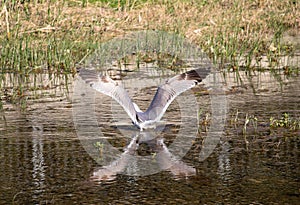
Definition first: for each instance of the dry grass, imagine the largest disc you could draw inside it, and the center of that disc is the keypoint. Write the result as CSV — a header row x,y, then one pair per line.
x,y
225,29
49,36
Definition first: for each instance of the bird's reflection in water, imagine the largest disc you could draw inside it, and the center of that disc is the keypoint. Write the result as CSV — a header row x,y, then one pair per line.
x,y
152,151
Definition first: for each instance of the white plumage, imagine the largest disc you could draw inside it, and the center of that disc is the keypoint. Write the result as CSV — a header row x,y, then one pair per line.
x,y
165,94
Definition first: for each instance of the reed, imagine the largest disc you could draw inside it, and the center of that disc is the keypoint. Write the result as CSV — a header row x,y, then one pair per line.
x,y
52,37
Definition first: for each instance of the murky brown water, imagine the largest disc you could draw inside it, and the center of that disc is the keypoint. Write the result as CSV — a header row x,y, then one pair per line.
x,y
44,162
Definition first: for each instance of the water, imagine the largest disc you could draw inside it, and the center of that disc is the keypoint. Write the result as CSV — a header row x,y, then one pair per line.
x,y
44,162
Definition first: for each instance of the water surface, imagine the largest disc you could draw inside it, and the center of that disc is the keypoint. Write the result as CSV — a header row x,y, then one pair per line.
x,y
44,162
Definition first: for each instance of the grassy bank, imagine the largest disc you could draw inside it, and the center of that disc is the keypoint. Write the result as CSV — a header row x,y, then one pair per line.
x,y
55,35
51,37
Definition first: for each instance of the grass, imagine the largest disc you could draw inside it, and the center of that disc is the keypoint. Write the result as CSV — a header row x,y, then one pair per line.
x,y
52,37
286,121
263,126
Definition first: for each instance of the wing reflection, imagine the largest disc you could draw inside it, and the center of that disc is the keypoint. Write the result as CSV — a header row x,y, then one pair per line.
x,y
38,159
109,172
134,156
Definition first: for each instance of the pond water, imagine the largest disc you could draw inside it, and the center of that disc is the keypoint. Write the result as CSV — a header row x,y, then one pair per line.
x,y
43,161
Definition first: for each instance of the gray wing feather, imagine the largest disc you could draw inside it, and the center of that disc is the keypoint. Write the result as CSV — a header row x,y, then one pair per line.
x,y
167,92
107,86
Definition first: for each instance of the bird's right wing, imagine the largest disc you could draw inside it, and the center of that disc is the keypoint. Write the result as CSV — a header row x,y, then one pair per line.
x,y
168,91
107,86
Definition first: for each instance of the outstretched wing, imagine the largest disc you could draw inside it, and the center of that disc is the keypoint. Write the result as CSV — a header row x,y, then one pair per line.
x,y
167,92
107,86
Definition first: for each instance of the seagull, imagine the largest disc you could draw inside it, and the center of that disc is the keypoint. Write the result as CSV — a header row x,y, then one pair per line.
x,y
165,94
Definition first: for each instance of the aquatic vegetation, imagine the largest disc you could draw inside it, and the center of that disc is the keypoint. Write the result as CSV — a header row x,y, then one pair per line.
x,y
53,37
286,121
263,127
249,119
99,146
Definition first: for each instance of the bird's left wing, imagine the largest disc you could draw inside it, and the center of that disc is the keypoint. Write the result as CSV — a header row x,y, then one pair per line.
x,y
107,86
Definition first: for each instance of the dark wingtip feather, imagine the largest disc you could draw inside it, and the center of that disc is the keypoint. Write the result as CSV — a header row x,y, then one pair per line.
x,y
89,75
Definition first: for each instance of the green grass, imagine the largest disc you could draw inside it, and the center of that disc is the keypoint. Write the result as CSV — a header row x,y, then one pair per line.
x,y
52,37
229,35
286,121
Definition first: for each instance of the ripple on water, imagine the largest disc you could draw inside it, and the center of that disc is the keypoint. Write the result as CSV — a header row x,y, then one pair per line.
x,y
43,161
